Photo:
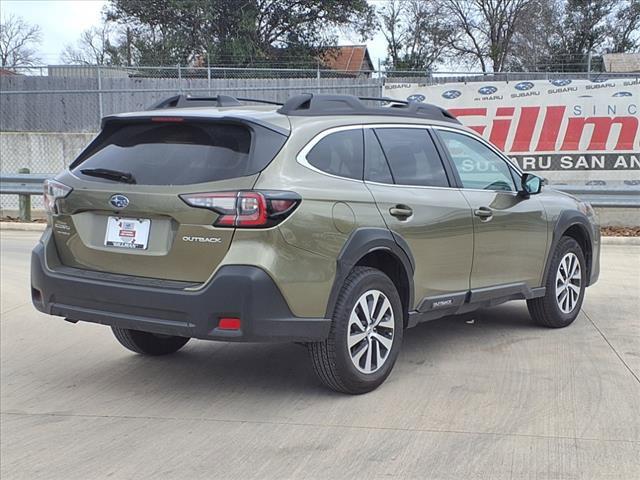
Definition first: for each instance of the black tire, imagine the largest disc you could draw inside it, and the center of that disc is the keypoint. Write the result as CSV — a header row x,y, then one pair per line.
x,y
147,343
545,310
331,358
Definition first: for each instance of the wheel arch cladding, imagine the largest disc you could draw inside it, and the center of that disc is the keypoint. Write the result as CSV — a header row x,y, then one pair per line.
x,y
574,224
378,248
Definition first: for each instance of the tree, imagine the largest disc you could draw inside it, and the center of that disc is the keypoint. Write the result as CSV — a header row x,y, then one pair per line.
x,y
594,27
417,36
584,26
241,32
93,48
625,28
534,39
18,40
565,34
486,29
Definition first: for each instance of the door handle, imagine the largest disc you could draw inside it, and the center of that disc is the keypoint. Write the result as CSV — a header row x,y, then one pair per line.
x,y
401,211
483,212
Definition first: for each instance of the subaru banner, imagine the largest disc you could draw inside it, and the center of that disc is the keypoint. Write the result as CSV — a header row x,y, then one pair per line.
x,y
574,129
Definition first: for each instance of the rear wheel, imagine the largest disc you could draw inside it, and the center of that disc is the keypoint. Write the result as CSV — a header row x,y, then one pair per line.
x,y
565,287
147,343
365,336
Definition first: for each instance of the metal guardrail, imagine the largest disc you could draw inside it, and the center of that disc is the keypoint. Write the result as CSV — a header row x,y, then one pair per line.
x,y
627,196
23,183
604,195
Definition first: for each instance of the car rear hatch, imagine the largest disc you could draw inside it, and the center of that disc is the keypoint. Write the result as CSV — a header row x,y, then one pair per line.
x,y
126,212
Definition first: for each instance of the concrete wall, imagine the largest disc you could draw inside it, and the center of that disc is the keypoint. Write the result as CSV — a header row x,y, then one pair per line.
x,y
40,153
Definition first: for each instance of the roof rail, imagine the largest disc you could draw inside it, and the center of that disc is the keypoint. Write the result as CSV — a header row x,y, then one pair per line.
x,y
385,100
186,101
308,104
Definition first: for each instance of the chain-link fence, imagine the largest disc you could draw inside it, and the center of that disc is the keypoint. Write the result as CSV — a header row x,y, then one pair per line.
x,y
48,114
74,99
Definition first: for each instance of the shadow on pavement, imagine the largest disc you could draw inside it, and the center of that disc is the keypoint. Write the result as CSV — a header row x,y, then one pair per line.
x,y
203,368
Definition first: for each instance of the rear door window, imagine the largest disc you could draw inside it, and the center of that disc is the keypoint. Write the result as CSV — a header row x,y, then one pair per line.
x,y
376,166
413,157
339,153
170,153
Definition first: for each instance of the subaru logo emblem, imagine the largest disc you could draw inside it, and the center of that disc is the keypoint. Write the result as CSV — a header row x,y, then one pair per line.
x,y
560,82
487,90
622,94
451,94
522,86
119,201
416,97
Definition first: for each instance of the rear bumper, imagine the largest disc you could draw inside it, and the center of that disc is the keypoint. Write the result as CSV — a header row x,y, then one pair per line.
x,y
241,291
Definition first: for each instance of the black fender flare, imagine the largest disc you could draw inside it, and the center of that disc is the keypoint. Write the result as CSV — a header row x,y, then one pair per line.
x,y
361,242
566,220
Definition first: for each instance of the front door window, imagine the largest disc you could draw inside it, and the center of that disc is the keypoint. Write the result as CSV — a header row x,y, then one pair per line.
x,y
478,166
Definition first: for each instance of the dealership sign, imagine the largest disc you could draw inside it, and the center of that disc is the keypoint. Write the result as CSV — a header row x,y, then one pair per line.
x,y
546,124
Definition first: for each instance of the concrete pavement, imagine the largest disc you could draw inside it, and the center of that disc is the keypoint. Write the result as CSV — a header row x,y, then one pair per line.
x,y
496,398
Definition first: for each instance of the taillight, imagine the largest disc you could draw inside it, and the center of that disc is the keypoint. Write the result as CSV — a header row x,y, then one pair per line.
x,y
246,209
54,191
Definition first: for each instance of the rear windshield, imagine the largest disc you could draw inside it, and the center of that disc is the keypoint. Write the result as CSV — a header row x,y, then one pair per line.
x,y
180,153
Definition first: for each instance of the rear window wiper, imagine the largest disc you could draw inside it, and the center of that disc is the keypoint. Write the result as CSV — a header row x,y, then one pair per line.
x,y
115,175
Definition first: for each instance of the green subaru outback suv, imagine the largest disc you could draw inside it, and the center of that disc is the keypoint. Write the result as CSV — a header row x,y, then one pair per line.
x,y
329,220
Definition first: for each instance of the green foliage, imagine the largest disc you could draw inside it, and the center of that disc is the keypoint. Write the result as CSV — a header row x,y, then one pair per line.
x,y
235,32
498,35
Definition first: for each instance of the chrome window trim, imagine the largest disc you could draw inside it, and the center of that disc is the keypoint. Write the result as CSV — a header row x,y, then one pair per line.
x,y
400,185
301,158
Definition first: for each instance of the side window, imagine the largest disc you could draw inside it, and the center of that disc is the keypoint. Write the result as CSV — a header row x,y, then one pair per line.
x,y
339,153
376,168
479,167
412,157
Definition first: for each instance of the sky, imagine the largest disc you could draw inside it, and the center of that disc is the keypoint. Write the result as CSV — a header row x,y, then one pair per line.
x,y
62,22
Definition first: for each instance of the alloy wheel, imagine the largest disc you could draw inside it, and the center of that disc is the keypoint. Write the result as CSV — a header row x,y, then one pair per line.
x,y
568,282
370,331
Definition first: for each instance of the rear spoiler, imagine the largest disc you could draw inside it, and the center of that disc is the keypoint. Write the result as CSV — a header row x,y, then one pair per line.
x,y
236,118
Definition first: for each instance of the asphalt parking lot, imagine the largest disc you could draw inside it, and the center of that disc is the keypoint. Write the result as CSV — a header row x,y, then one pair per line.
x,y
490,399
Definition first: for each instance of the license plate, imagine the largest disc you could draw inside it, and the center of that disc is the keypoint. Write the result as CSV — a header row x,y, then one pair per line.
x,y
127,232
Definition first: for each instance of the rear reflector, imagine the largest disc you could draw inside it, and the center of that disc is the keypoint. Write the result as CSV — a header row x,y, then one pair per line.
x,y
229,323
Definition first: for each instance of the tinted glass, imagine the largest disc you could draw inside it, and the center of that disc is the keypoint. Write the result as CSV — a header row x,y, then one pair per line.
x,y
479,167
180,153
412,156
339,154
375,163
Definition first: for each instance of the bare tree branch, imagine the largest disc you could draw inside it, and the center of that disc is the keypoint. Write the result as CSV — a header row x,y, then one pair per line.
x,y
417,34
17,43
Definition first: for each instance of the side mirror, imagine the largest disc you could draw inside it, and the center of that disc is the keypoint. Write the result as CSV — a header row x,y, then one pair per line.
x,y
531,184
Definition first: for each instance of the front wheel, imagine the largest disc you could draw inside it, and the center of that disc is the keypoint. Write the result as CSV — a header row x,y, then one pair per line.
x,y
565,286
147,343
365,336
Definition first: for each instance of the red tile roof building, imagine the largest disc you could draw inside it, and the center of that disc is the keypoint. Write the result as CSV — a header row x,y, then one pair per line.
x,y
352,60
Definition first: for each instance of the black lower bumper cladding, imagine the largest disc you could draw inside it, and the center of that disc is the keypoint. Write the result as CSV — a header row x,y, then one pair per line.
x,y
237,291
